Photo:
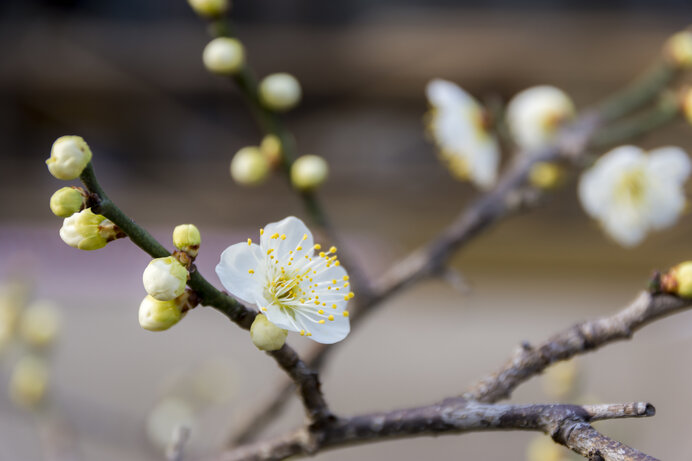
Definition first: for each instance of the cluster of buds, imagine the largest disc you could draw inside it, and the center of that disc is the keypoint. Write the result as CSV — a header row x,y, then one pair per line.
x,y
251,165
164,280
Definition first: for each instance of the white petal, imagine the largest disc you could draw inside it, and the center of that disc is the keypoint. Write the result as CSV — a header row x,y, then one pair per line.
x,y
331,331
667,201
626,225
670,164
234,271
443,93
484,163
281,318
294,229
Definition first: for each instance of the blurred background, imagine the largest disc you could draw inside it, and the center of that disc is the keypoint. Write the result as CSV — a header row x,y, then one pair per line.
x,y
127,75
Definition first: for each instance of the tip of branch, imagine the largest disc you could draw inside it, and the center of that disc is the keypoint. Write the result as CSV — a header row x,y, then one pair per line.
x,y
645,409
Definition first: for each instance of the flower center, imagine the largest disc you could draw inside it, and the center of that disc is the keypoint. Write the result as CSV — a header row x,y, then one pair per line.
x,y
631,186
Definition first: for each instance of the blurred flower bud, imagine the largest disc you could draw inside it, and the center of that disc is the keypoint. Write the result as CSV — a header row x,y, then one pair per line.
x,y
271,149
68,157
308,172
678,280
40,323
224,56
678,49
249,167
165,278
545,175
87,231
66,201
543,448
280,92
12,299
186,237
29,381
155,315
535,115
166,417
209,8
687,104
560,379
265,335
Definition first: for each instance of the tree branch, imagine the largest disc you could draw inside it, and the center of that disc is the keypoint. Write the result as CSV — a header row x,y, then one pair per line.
x,y
529,361
567,424
302,376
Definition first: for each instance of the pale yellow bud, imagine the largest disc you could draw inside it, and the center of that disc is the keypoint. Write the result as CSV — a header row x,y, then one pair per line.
x,y
66,201
224,56
86,230
543,448
68,157
280,92
186,237
209,8
265,335
40,323
678,48
165,278
155,315
249,167
545,175
679,280
12,298
29,381
271,149
535,115
308,172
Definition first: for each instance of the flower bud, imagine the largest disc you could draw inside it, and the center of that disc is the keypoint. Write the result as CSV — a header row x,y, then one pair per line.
x,y
40,323
87,231
308,172
678,280
545,175
155,315
249,167
66,201
535,115
280,92
687,104
271,149
678,49
224,56
12,299
209,8
265,335
186,237
29,381
165,278
68,157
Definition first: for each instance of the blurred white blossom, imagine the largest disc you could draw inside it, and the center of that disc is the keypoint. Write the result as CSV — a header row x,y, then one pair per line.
x,y
631,192
458,126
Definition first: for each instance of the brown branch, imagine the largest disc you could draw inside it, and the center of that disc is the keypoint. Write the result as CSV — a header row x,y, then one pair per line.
x,y
567,424
529,361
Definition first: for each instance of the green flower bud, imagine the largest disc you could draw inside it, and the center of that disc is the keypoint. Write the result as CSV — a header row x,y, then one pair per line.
x,y
68,157
308,172
29,381
86,230
66,201
155,315
209,8
224,56
265,335
249,167
186,237
40,323
280,92
165,278
678,280
678,49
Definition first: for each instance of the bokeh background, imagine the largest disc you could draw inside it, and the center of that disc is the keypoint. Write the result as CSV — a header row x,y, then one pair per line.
x,y
127,76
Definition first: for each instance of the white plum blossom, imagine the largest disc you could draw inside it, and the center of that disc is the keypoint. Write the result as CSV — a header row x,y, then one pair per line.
x,y
535,115
631,192
458,126
296,288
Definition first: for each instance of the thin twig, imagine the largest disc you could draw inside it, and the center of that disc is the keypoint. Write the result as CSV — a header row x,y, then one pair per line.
x,y
581,338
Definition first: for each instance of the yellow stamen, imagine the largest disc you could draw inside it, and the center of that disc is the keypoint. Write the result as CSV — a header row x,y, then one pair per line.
x,y
331,317
345,313
321,321
261,231
317,246
249,241
283,236
332,250
251,271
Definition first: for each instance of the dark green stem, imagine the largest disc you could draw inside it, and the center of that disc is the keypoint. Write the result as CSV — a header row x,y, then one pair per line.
x,y
208,295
